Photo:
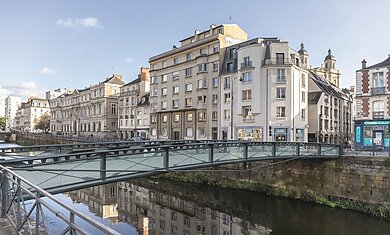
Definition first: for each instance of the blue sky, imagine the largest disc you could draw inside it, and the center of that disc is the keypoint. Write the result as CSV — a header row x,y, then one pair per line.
x,y
50,44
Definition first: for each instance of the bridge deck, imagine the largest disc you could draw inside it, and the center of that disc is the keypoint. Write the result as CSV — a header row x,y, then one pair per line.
x,y
62,172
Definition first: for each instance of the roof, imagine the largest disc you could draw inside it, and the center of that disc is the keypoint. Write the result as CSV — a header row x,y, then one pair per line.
x,y
314,97
135,81
384,63
144,101
327,87
329,56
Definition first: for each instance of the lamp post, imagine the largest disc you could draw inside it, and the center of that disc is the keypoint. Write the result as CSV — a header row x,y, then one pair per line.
x,y
231,107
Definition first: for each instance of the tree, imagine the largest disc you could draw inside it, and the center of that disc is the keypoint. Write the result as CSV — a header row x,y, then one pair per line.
x,y
2,123
43,123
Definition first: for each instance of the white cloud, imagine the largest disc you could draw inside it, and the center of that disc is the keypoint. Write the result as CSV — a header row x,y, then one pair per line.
x,y
23,90
46,71
88,22
128,60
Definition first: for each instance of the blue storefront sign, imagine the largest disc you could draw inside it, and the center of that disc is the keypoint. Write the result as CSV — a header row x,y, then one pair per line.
x,y
372,134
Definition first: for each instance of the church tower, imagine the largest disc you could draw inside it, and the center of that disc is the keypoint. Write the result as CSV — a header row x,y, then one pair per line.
x,y
303,56
329,71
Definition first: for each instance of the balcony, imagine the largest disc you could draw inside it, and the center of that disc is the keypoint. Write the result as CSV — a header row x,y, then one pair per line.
x,y
378,115
281,79
378,90
278,61
246,65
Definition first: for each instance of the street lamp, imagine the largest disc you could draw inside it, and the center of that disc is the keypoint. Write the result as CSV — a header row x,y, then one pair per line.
x,y
231,107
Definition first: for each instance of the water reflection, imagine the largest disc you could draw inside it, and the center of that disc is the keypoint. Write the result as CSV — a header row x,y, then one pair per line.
x,y
174,208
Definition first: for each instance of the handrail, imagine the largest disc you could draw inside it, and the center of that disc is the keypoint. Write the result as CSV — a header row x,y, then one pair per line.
x,y
8,174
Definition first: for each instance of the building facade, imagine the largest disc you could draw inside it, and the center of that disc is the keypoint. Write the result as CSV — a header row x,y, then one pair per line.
x,y
29,114
134,107
182,85
263,92
330,119
12,104
372,105
90,112
57,92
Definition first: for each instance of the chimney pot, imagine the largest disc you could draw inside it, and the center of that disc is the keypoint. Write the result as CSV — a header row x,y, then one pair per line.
x,y
364,63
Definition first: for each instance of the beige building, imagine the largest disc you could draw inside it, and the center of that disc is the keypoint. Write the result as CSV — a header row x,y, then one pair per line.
x,y
328,70
263,92
90,112
134,107
182,90
29,113
12,104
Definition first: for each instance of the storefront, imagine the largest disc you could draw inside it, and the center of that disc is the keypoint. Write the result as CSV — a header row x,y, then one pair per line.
x,y
281,134
372,134
250,133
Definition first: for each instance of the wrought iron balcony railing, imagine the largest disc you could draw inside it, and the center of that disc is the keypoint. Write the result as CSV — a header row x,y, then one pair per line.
x,y
378,115
378,90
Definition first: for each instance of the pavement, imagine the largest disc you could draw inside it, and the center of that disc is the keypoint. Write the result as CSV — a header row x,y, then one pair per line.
x,y
366,153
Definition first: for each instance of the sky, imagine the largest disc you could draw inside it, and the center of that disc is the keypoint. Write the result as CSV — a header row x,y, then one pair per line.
x,y
51,44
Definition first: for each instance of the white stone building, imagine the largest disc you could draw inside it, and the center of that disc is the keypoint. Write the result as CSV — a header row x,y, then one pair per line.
x,y
29,113
12,104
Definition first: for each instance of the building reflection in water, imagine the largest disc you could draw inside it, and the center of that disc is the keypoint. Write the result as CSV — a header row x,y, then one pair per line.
x,y
153,212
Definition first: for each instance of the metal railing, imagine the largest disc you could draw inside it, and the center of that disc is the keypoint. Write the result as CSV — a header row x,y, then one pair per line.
x,y
278,61
28,217
378,90
64,172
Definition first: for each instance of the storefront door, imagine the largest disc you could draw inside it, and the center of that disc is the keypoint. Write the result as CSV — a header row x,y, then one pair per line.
x,y
377,138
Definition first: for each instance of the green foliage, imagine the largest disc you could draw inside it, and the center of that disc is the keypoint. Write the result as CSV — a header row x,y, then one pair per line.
x,y
43,123
2,123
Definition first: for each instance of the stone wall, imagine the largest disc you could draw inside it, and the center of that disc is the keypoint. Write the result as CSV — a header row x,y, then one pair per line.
x,y
364,179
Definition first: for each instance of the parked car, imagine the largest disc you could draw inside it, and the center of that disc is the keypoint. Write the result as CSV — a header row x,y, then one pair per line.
x,y
138,138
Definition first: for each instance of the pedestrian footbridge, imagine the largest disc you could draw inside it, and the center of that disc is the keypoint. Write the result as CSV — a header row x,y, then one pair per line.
x,y
60,168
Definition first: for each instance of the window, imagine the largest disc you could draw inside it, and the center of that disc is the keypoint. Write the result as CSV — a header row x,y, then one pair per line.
x,y
202,67
175,90
247,112
175,104
230,67
280,111
279,58
281,75
164,78
113,108
214,116
163,64
188,87
202,51
215,99
232,53
303,97
378,79
303,81
176,118
175,75
303,114
189,56
202,83
164,118
226,83
189,117
226,113
246,95
153,119
226,97
246,62
202,99
215,66
163,91
153,80
153,92
201,132
215,48
189,131
280,92
202,116
164,105
176,60
188,72
215,82
247,77
188,102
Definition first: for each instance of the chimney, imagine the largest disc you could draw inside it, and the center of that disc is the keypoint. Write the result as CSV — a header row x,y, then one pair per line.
x,y
145,75
364,63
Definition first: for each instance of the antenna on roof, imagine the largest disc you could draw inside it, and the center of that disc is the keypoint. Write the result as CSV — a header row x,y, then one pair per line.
x,y
230,18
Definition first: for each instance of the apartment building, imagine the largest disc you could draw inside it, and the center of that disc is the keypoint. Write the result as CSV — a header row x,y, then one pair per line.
x,y
56,92
134,108
29,113
263,92
372,105
182,84
330,108
12,104
90,112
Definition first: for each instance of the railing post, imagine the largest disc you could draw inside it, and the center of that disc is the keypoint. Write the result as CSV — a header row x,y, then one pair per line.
x,y
211,153
319,150
4,193
71,222
166,158
246,155
103,166
37,208
18,212
274,149
298,150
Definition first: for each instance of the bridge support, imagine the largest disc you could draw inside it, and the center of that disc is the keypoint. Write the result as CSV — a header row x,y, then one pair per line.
x,y
103,166
211,153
